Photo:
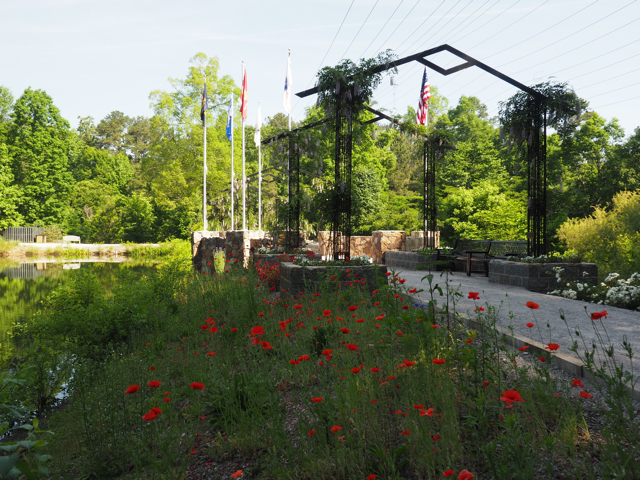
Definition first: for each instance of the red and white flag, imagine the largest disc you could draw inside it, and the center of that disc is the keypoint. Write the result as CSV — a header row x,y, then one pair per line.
x,y
425,94
244,98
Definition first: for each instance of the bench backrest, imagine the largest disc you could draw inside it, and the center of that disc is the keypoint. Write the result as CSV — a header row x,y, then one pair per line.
x,y
508,247
462,245
70,238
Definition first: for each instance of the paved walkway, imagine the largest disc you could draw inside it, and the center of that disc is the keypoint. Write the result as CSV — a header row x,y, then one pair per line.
x,y
510,301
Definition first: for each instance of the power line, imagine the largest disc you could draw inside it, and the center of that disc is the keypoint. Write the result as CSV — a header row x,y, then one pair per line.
x,y
615,90
361,26
614,103
388,20
420,26
325,55
518,1
407,15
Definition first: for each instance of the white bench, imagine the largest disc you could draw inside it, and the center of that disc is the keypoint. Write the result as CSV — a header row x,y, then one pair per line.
x,y
71,238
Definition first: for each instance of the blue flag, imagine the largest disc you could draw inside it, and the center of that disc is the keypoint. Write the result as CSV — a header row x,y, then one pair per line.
x,y
229,120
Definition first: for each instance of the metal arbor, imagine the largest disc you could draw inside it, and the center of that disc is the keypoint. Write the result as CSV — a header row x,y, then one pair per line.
x,y
536,153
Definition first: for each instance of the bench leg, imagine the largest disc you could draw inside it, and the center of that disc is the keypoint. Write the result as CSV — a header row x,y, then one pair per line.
x,y
486,269
468,264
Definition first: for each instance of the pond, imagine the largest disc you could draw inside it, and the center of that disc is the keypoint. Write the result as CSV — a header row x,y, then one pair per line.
x,y
24,285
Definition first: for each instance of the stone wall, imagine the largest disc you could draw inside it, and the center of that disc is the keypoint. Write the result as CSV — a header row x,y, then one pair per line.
x,y
409,260
203,260
383,240
360,245
416,240
295,279
540,277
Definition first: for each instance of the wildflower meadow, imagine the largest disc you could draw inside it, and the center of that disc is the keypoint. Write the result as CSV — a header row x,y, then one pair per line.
x,y
223,376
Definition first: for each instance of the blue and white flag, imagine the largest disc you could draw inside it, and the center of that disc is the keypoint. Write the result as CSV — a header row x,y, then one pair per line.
x,y
230,119
286,103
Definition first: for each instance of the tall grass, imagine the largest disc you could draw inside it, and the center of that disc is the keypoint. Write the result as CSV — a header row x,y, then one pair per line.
x,y
336,384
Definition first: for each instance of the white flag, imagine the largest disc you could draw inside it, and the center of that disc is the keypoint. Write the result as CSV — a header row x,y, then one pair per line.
x,y
256,137
287,87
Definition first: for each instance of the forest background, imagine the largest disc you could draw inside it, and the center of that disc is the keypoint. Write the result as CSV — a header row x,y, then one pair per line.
x,y
139,179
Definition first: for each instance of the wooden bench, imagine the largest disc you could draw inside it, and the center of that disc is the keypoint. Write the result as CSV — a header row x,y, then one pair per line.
x,y
470,251
71,238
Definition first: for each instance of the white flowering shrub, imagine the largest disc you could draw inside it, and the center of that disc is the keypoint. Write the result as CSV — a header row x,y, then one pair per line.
x,y
614,291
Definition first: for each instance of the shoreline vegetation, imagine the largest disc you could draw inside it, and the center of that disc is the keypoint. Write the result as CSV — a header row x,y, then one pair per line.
x,y
17,252
169,374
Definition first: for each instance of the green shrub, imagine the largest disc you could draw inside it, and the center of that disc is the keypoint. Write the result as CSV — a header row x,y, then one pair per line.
x,y
610,237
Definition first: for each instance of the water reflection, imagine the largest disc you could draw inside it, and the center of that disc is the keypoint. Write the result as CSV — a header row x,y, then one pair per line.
x,y
24,286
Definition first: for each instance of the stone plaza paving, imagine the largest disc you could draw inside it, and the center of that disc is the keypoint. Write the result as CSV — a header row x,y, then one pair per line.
x,y
510,301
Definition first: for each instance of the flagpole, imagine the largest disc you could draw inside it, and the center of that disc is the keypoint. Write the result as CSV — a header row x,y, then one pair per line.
x,y
244,180
233,223
205,226
289,93
259,178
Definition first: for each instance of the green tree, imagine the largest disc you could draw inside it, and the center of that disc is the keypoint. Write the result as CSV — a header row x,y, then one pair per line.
x,y
9,193
106,225
138,219
40,144
366,198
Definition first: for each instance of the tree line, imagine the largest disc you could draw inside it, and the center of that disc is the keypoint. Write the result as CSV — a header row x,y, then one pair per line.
x,y
139,179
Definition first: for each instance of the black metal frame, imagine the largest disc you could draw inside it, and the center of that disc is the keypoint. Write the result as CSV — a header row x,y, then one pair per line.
x,y
429,211
537,153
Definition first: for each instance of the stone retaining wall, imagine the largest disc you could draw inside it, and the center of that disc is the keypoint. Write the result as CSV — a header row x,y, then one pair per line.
x,y
238,244
196,237
540,277
383,240
416,240
295,279
203,260
409,260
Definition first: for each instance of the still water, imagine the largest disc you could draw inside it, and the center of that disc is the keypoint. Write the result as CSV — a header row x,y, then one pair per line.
x,y
23,286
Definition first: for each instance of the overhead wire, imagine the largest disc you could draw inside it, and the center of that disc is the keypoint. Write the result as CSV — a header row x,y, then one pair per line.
x,y
360,29
420,26
325,55
388,20
401,22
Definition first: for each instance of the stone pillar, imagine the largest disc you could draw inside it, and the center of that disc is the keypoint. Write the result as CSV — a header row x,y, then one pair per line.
x,y
204,258
238,244
197,236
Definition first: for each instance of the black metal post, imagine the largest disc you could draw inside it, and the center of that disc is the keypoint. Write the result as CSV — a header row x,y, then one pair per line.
x,y
341,204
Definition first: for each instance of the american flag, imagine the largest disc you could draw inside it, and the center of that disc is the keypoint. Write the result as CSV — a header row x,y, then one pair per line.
x,y
425,94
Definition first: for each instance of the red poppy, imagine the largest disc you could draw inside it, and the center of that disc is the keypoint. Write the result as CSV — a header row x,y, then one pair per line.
x,y
234,329
197,385
167,400
311,433
355,370
402,280
511,396
297,307
413,290
532,305
465,475
598,315
486,384
316,399
584,394
419,405
360,320
149,416
388,274
473,296
351,346
577,383
377,304
438,361
152,368
552,347
405,307
156,410
154,384
326,313
257,330
345,330
470,340
437,437
211,354
522,349
375,369
132,389
304,357
409,363
479,309
293,361
542,359
530,325
352,308
327,351
448,473
335,429
238,474
371,477
406,432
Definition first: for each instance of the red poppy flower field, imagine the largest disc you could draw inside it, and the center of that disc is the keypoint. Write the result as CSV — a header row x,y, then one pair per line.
x,y
229,379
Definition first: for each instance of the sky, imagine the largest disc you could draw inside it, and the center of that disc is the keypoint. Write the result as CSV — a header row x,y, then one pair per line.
x,y
94,57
